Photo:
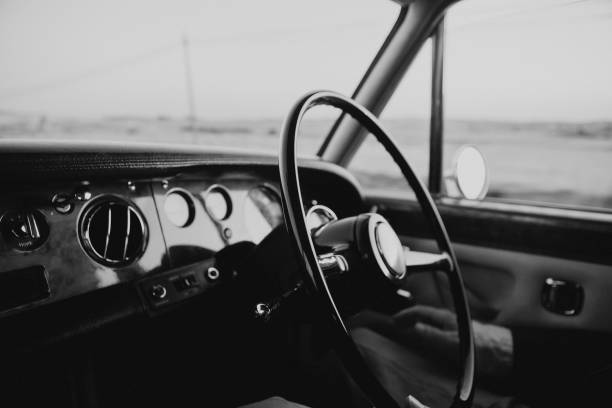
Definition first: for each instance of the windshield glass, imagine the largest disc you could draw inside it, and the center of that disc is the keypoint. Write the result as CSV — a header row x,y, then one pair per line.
x,y
205,72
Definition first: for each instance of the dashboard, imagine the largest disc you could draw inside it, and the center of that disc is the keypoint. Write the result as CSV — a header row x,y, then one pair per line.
x,y
77,231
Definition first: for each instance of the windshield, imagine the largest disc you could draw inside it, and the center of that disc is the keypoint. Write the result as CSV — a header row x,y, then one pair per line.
x,y
205,72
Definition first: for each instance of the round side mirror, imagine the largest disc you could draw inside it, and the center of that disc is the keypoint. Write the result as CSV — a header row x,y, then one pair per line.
x,y
470,173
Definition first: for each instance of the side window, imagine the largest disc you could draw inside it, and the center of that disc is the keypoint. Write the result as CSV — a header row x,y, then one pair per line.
x,y
406,118
529,84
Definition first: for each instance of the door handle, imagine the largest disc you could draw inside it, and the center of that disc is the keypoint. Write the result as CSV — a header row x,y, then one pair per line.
x,y
562,297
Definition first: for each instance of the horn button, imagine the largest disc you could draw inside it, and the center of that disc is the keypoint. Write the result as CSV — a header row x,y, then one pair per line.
x,y
388,250
367,237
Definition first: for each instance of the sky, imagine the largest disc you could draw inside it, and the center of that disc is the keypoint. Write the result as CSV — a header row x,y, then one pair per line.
x,y
529,60
249,58
506,59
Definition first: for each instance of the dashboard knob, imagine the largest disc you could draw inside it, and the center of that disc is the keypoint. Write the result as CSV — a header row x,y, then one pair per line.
x,y
62,203
212,274
24,230
159,292
263,311
82,193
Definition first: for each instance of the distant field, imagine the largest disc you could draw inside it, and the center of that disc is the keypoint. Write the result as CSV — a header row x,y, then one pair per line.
x,y
554,162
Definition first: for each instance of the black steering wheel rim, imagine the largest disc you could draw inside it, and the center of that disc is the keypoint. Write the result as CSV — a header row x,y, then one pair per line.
x,y
295,220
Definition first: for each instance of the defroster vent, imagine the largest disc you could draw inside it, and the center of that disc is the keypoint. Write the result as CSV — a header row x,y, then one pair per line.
x,y
113,231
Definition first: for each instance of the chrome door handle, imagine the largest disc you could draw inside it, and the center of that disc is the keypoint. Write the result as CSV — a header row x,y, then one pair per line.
x,y
562,297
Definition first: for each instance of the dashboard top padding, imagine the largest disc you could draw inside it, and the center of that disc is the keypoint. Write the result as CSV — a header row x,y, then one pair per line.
x,y
31,160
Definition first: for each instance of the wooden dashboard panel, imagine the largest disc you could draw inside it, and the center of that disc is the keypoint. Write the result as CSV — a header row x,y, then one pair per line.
x,y
206,235
70,271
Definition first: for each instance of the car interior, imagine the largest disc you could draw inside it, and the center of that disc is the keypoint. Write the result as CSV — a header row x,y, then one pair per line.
x,y
168,274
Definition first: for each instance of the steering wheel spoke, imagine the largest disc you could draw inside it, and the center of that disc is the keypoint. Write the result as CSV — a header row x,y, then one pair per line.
x,y
417,261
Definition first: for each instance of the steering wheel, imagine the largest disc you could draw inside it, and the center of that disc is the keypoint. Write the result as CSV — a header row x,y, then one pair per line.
x,y
367,239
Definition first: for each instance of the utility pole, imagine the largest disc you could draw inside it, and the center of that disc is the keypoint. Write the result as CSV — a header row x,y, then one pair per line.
x,y
189,83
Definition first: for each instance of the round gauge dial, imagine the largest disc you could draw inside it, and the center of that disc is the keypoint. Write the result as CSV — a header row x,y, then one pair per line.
x,y
319,215
262,211
218,202
179,208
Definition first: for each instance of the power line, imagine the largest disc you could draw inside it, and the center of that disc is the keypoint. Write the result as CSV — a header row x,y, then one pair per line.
x,y
104,69
189,82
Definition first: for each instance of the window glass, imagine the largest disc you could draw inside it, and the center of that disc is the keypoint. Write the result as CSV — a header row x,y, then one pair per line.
x,y
529,83
201,72
406,118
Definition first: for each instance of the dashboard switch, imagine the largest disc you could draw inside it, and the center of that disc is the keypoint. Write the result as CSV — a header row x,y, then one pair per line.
x,y
24,230
162,291
185,282
82,193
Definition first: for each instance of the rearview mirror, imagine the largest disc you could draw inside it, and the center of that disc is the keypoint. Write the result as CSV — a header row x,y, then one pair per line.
x,y
470,173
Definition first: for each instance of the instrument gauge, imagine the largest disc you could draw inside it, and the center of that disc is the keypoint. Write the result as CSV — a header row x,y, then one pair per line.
x,y
179,208
218,202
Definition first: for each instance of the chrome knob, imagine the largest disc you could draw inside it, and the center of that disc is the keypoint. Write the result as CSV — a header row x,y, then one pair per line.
x,y
24,230
82,193
212,274
62,203
159,292
263,311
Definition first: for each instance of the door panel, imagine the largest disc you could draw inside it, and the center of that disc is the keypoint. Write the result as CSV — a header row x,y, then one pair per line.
x,y
507,254
506,286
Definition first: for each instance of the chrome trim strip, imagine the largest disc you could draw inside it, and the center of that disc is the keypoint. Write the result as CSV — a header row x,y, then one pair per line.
x,y
127,232
108,230
394,201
